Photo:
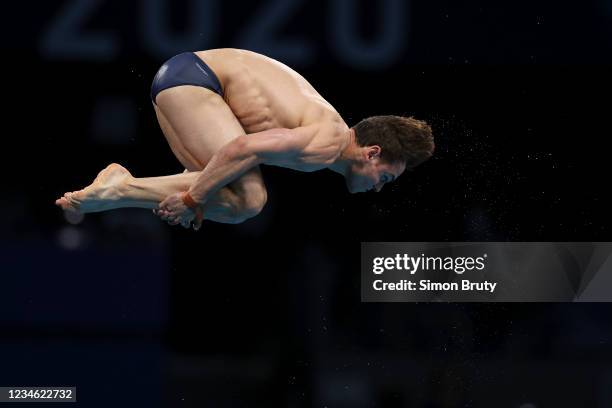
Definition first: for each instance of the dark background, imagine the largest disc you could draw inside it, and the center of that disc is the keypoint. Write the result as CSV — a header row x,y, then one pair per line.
x,y
268,313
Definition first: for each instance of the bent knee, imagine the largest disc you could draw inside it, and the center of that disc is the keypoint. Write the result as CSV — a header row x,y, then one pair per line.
x,y
253,202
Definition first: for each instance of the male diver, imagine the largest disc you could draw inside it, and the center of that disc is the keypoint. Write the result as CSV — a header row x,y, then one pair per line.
x,y
226,111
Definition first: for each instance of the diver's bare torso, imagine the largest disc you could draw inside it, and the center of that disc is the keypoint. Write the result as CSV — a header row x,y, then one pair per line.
x,y
264,93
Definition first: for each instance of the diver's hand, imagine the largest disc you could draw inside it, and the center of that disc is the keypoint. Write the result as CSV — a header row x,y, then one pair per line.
x,y
175,211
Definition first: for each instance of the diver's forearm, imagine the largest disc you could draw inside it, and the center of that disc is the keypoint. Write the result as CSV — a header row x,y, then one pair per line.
x,y
225,166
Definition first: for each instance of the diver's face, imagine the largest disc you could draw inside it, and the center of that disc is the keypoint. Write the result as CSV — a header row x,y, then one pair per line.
x,y
372,175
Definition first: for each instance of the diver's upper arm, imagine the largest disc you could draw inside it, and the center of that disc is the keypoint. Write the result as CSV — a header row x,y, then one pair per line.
x,y
274,145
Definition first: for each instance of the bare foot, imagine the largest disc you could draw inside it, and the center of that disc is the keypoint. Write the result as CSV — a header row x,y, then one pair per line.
x,y
101,195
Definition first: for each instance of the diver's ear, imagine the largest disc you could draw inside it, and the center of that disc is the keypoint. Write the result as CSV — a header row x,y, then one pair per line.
x,y
373,152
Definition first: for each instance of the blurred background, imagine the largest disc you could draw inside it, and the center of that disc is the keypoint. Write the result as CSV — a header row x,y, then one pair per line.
x,y
135,313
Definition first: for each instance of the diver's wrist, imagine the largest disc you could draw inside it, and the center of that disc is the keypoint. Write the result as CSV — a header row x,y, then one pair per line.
x,y
190,201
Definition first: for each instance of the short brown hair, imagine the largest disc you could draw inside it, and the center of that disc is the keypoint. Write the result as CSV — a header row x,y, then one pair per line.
x,y
401,139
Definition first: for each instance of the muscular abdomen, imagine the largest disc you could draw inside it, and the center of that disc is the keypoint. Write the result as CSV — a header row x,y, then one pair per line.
x,y
265,94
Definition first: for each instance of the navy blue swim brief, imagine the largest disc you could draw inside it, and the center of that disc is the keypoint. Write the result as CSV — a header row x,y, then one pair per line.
x,y
185,69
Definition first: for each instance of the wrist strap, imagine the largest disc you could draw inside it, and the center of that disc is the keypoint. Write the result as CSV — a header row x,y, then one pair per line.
x,y
189,201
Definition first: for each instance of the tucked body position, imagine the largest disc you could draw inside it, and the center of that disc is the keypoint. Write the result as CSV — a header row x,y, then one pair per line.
x,y
224,112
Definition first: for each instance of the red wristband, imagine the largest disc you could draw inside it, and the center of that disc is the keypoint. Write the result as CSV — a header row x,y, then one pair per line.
x,y
189,201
